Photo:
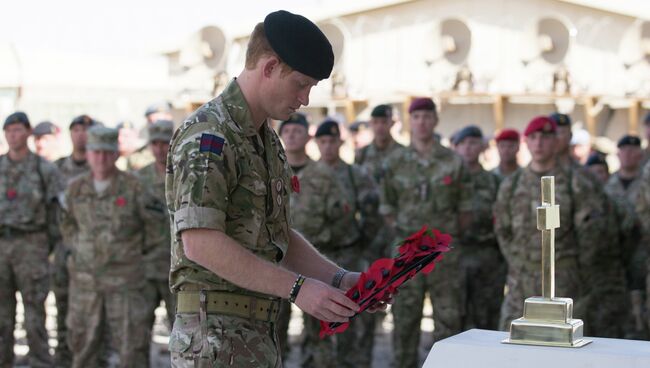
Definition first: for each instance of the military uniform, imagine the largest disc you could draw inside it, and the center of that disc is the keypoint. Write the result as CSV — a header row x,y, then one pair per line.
x,y
582,259
429,191
225,175
482,263
28,203
643,212
135,160
157,259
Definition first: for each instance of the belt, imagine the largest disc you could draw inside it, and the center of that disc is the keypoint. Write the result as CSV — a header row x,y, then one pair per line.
x,y
238,305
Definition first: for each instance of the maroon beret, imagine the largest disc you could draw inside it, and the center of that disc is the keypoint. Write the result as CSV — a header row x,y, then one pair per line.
x,y
507,135
540,124
422,103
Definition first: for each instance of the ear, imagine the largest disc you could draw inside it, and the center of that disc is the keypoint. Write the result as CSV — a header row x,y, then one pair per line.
x,y
269,65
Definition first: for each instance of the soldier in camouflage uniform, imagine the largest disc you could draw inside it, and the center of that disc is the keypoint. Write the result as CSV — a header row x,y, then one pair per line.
x,y
581,258
508,146
234,254
105,219
133,157
351,233
482,263
29,185
563,140
157,259
46,140
646,151
70,167
623,188
426,184
643,212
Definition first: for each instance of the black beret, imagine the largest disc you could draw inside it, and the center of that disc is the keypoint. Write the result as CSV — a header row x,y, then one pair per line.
x,y
629,140
382,111
358,126
44,128
299,43
17,117
647,119
596,158
468,131
328,127
84,120
560,119
295,118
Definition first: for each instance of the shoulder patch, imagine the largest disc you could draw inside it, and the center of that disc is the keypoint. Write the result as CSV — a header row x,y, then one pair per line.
x,y
211,143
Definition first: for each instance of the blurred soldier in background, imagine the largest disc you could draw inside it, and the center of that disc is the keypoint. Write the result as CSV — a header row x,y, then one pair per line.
x,y
508,147
563,133
157,259
46,140
483,265
133,155
643,212
598,167
646,152
28,192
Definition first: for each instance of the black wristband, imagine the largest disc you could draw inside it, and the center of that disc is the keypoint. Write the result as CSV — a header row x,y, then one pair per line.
x,y
295,289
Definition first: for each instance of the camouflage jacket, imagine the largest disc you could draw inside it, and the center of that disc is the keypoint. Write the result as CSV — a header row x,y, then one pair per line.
x,y
579,240
372,158
28,192
136,160
425,191
485,186
624,201
225,175
70,169
106,231
157,259
497,171
318,205
643,206
360,221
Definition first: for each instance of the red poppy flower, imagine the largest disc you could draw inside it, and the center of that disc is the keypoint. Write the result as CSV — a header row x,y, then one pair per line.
x,y
120,202
11,194
295,184
447,180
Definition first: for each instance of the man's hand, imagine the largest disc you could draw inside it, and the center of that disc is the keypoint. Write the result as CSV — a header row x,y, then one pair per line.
x,y
350,279
325,302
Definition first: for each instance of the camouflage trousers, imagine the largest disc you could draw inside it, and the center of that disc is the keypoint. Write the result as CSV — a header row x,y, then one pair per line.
x,y
60,280
522,284
154,292
446,288
223,341
484,270
283,328
24,268
106,328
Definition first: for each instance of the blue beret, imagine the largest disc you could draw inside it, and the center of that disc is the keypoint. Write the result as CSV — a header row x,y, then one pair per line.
x,y
295,118
468,131
17,117
328,127
629,140
299,43
560,119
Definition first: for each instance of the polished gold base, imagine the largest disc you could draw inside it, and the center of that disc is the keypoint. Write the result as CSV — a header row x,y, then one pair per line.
x,y
547,322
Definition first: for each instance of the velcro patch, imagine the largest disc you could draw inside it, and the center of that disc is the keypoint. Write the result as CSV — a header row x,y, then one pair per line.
x,y
211,143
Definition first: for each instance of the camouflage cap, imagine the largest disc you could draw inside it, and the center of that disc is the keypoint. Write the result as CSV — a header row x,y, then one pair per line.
x,y
102,139
44,128
161,130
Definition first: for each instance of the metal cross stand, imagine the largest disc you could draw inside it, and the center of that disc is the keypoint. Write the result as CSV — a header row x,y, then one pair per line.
x,y
548,320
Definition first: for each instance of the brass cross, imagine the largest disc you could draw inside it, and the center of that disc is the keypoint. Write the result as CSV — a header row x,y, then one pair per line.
x,y
548,219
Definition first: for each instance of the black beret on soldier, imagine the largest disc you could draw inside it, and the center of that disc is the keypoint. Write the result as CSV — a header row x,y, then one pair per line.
x,y
17,117
299,43
328,127
295,118
382,111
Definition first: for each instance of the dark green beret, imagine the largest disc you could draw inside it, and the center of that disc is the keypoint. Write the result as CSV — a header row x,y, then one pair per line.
x,y
629,140
382,111
295,118
468,131
328,127
17,117
560,119
299,43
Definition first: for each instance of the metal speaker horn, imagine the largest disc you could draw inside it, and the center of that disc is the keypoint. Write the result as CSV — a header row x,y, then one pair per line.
x,y
336,37
206,47
455,40
553,40
635,45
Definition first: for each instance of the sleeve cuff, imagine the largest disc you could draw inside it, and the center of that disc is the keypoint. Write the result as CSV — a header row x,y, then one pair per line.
x,y
199,218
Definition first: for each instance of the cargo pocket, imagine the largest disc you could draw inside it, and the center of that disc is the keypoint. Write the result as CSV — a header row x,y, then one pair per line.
x,y
184,332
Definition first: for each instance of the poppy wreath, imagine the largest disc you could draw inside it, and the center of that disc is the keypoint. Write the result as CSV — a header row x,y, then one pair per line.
x,y
417,253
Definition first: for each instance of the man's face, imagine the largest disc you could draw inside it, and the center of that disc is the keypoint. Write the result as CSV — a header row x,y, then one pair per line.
x,y
469,149
329,148
101,162
381,127
160,115
295,137
422,123
630,157
128,139
159,150
508,150
600,172
563,138
46,145
284,93
541,146
78,137
16,136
